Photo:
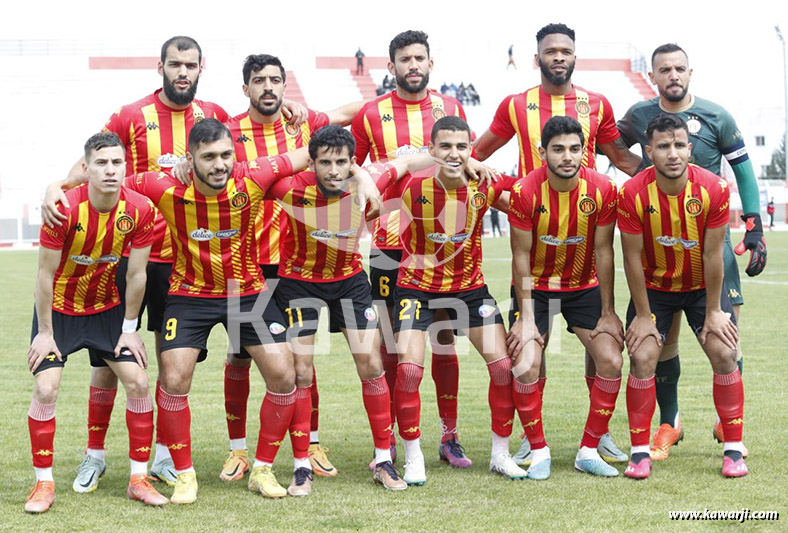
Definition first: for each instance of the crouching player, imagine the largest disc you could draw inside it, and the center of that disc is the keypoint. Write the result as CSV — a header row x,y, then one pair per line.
x,y
672,218
563,217
78,306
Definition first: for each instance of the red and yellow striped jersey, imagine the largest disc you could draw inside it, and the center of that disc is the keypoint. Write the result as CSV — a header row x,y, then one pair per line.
x,y
156,137
673,227
252,140
389,122
563,226
214,236
525,114
442,231
323,238
92,244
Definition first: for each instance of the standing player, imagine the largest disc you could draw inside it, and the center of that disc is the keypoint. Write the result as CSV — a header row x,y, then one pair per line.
x,y
441,217
672,218
563,219
525,114
715,135
78,306
399,119
264,131
322,267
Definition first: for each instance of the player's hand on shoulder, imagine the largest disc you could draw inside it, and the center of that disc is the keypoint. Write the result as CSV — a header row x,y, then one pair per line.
x,y
50,214
43,345
295,113
482,173
133,343
182,172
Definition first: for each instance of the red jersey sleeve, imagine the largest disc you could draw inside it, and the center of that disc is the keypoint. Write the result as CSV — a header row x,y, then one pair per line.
x,y
502,123
148,184
55,238
280,188
385,175
317,120
143,236
607,131
360,134
504,183
520,206
117,125
628,219
220,114
607,211
719,207
265,171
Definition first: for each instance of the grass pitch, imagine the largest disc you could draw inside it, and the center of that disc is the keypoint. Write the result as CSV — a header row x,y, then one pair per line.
x,y
452,499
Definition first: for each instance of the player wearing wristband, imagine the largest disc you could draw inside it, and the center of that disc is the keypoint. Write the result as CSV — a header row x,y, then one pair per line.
x,y
563,218
263,130
672,218
78,306
525,114
405,117
714,136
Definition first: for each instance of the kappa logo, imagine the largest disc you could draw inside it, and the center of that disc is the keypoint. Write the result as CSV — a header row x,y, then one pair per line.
x,y
232,417
736,422
44,452
413,429
304,201
389,429
176,446
636,430
533,107
95,428
276,443
386,118
124,224
517,188
541,209
723,183
78,227
151,126
297,433
651,210
604,412
509,422
533,422
143,449
242,138
733,293
448,397
422,200
184,201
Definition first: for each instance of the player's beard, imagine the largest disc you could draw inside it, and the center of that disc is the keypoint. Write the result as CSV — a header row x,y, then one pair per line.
x,y
179,97
674,97
329,193
267,111
203,178
558,171
557,79
403,84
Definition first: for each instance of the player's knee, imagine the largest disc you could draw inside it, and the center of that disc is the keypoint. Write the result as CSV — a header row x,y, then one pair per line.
x,y
369,367
46,392
136,385
234,360
303,374
445,337
103,377
643,361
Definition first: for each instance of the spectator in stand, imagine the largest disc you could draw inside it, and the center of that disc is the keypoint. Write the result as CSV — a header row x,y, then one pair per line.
x,y
359,62
770,212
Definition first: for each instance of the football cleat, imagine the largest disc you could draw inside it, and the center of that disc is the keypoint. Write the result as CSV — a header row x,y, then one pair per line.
x,y
141,490
539,471
504,465
41,497
665,437
731,468
392,451
164,471
88,474
387,475
236,465
302,482
608,450
415,474
523,456
185,488
263,480
595,467
718,436
453,453
321,466
641,470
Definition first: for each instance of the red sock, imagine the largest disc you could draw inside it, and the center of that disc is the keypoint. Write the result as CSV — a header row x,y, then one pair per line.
x,y
139,421
603,403
729,401
174,423
99,412
528,400
236,395
542,382
41,424
641,402
590,383
376,402
299,425
390,369
446,375
407,400
315,409
499,396
276,413
159,439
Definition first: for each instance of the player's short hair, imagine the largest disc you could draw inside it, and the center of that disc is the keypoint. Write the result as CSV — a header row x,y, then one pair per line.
x,y
207,131
449,123
101,140
257,62
668,48
555,28
334,138
407,38
561,125
665,122
180,42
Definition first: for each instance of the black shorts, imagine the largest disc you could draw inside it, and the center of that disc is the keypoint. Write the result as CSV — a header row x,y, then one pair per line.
x,y
383,270
270,271
188,321
664,304
349,304
98,333
415,309
580,309
156,288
